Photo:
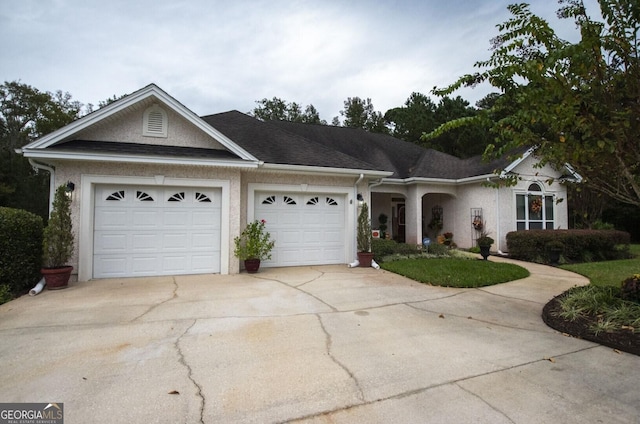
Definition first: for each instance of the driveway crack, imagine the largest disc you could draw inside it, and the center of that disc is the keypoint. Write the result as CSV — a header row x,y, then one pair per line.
x,y
174,294
328,344
183,361
334,309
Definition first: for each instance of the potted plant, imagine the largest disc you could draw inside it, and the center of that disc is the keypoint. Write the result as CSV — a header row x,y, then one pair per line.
x,y
364,237
382,219
253,245
554,250
484,243
57,242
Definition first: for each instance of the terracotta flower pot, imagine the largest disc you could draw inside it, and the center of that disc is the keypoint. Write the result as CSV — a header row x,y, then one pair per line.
x,y
365,259
252,265
56,278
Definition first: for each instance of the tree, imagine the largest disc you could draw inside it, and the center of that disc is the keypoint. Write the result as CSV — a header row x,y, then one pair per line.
x,y
463,142
420,114
277,109
408,122
359,113
25,114
577,103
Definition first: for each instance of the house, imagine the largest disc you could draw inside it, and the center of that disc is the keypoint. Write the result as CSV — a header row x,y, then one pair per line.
x,y
158,190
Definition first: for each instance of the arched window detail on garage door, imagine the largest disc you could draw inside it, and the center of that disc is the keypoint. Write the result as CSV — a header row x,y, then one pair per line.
x,y
331,202
202,198
143,197
116,195
269,200
312,201
177,197
289,201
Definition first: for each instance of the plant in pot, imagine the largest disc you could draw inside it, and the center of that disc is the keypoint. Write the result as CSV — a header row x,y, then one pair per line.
x,y
57,242
253,245
382,219
554,249
364,237
484,243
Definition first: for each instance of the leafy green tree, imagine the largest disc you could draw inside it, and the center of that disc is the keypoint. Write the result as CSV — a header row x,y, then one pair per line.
x,y
277,109
577,103
408,122
464,142
25,114
359,113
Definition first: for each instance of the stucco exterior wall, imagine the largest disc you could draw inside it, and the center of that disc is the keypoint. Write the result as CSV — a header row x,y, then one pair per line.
x,y
128,129
457,202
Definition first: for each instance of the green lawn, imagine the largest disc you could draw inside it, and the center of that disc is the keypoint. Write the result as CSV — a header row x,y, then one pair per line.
x,y
451,272
608,273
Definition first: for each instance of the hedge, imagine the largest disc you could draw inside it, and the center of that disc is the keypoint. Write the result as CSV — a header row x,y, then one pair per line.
x,y
577,245
20,250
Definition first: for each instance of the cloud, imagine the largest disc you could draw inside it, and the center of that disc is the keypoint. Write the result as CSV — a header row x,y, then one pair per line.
x,y
215,56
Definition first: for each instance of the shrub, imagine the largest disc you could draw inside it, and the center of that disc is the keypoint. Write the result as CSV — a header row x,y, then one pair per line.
x,y
385,248
438,249
58,235
579,245
20,250
382,248
631,288
5,294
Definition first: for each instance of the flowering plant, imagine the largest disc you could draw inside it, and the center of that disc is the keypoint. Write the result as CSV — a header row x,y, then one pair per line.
x,y
477,222
254,242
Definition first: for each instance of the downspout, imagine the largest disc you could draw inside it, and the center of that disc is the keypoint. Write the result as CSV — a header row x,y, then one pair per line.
x,y
355,263
498,220
52,179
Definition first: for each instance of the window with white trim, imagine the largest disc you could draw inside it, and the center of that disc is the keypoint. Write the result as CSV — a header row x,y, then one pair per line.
x,y
534,209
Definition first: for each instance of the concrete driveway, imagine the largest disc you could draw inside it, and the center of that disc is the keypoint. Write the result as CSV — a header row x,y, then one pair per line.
x,y
312,345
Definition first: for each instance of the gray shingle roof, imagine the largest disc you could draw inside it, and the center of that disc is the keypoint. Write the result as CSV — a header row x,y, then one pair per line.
x,y
290,143
270,143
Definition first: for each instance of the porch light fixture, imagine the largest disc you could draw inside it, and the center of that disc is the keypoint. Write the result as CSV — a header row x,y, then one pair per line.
x,y
70,187
360,199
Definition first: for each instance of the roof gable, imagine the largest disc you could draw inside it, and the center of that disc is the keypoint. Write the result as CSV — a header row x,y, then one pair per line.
x,y
139,100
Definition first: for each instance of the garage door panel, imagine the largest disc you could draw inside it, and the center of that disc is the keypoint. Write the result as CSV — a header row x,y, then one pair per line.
x,y
138,231
204,241
111,219
334,254
145,218
333,237
114,266
109,242
288,237
175,264
175,242
144,265
290,219
144,242
204,218
314,237
204,262
333,219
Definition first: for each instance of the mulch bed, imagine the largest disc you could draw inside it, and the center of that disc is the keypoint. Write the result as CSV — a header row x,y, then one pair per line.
x,y
624,340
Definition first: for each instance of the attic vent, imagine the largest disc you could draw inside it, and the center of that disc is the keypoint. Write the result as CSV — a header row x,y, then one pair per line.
x,y
154,122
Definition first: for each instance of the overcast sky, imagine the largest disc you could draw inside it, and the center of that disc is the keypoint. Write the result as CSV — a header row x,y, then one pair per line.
x,y
214,56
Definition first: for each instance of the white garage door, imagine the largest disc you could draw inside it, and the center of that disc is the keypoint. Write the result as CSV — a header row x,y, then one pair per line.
x,y
309,229
141,231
